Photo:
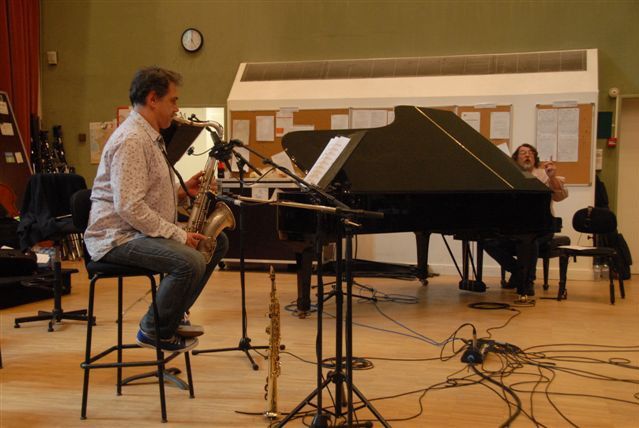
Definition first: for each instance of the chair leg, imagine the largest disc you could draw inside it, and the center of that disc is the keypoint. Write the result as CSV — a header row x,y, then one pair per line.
x,y
546,264
87,353
158,350
610,278
187,361
562,294
613,266
119,321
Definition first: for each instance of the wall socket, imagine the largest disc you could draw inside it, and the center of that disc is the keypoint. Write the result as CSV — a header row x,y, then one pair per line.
x,y
52,57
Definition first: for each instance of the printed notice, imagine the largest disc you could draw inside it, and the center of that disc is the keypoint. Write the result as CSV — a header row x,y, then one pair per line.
x,y
283,125
241,130
328,157
9,157
4,108
6,128
364,119
99,133
19,158
568,135
500,125
473,118
339,121
265,128
547,134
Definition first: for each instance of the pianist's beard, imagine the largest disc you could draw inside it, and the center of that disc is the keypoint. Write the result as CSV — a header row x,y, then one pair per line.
x,y
527,165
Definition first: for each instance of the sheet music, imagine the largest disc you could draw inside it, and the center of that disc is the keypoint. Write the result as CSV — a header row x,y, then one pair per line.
x,y
328,157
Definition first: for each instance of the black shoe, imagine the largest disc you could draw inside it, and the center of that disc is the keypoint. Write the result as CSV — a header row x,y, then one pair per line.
x,y
528,290
173,344
511,284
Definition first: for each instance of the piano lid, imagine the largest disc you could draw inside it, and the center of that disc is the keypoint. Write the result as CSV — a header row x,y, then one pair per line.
x,y
424,150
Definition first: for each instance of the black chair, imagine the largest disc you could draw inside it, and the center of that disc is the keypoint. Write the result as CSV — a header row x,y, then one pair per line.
x,y
80,207
46,216
547,250
596,221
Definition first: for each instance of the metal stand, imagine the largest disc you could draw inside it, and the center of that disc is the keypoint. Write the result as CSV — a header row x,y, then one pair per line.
x,y
57,314
245,341
341,375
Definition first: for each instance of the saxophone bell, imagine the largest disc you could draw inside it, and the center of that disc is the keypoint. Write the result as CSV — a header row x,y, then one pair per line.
x,y
220,219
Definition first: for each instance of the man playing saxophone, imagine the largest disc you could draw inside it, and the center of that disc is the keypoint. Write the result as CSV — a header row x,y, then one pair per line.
x,y
133,218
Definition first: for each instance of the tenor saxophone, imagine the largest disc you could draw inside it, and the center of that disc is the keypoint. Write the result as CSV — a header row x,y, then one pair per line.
x,y
273,355
200,221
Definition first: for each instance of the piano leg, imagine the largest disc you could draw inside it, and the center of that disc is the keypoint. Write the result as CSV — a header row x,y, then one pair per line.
x,y
423,241
304,272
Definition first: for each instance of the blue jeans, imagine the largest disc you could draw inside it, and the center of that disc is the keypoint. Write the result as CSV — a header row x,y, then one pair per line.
x,y
186,274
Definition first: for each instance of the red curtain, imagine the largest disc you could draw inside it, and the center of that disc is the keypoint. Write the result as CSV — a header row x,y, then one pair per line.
x,y
19,59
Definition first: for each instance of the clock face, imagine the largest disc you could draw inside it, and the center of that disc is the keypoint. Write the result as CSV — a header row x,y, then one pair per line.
x,y
192,40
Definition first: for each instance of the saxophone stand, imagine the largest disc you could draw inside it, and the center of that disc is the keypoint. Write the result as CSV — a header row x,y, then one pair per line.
x,y
245,341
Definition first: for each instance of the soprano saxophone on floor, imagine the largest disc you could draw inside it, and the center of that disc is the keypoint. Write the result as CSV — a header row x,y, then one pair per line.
x,y
200,221
273,330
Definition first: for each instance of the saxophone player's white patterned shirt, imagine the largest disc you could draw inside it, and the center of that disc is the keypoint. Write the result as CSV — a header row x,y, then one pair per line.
x,y
134,192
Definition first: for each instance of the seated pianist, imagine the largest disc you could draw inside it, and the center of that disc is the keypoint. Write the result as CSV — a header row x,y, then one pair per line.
x,y
504,250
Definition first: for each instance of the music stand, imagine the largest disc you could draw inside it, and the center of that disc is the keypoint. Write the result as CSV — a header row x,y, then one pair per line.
x,y
337,376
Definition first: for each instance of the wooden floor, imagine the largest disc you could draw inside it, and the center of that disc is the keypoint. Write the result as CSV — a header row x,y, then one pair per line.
x,y
587,347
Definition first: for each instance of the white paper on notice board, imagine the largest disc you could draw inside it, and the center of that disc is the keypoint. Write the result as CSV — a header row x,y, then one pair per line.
x,y
568,135
473,118
339,121
547,134
265,128
241,130
500,125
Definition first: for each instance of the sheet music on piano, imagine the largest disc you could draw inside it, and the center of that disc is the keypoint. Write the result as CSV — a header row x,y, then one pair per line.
x,y
332,159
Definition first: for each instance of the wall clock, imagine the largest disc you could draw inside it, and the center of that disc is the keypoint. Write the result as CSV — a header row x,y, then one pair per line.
x,y
192,40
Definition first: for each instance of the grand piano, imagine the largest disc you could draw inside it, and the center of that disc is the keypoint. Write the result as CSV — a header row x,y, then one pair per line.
x,y
427,172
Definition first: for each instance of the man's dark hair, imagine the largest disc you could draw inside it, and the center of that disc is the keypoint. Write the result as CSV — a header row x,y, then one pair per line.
x,y
532,148
151,79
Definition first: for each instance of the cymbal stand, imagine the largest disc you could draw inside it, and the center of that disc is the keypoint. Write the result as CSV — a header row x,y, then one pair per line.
x,y
245,341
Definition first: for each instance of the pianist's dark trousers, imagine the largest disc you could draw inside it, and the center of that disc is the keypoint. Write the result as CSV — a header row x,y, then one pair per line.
x,y
505,250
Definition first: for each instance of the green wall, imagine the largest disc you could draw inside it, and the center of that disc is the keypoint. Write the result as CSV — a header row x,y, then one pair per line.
x,y
100,43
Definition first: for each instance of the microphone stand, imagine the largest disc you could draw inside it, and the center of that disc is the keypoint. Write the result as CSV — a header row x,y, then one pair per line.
x,y
223,153
338,376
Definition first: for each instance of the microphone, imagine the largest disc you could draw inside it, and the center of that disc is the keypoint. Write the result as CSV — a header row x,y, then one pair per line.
x,y
229,200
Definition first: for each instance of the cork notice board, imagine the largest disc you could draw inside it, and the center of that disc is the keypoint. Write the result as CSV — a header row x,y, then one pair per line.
x,y
487,120
577,172
317,119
